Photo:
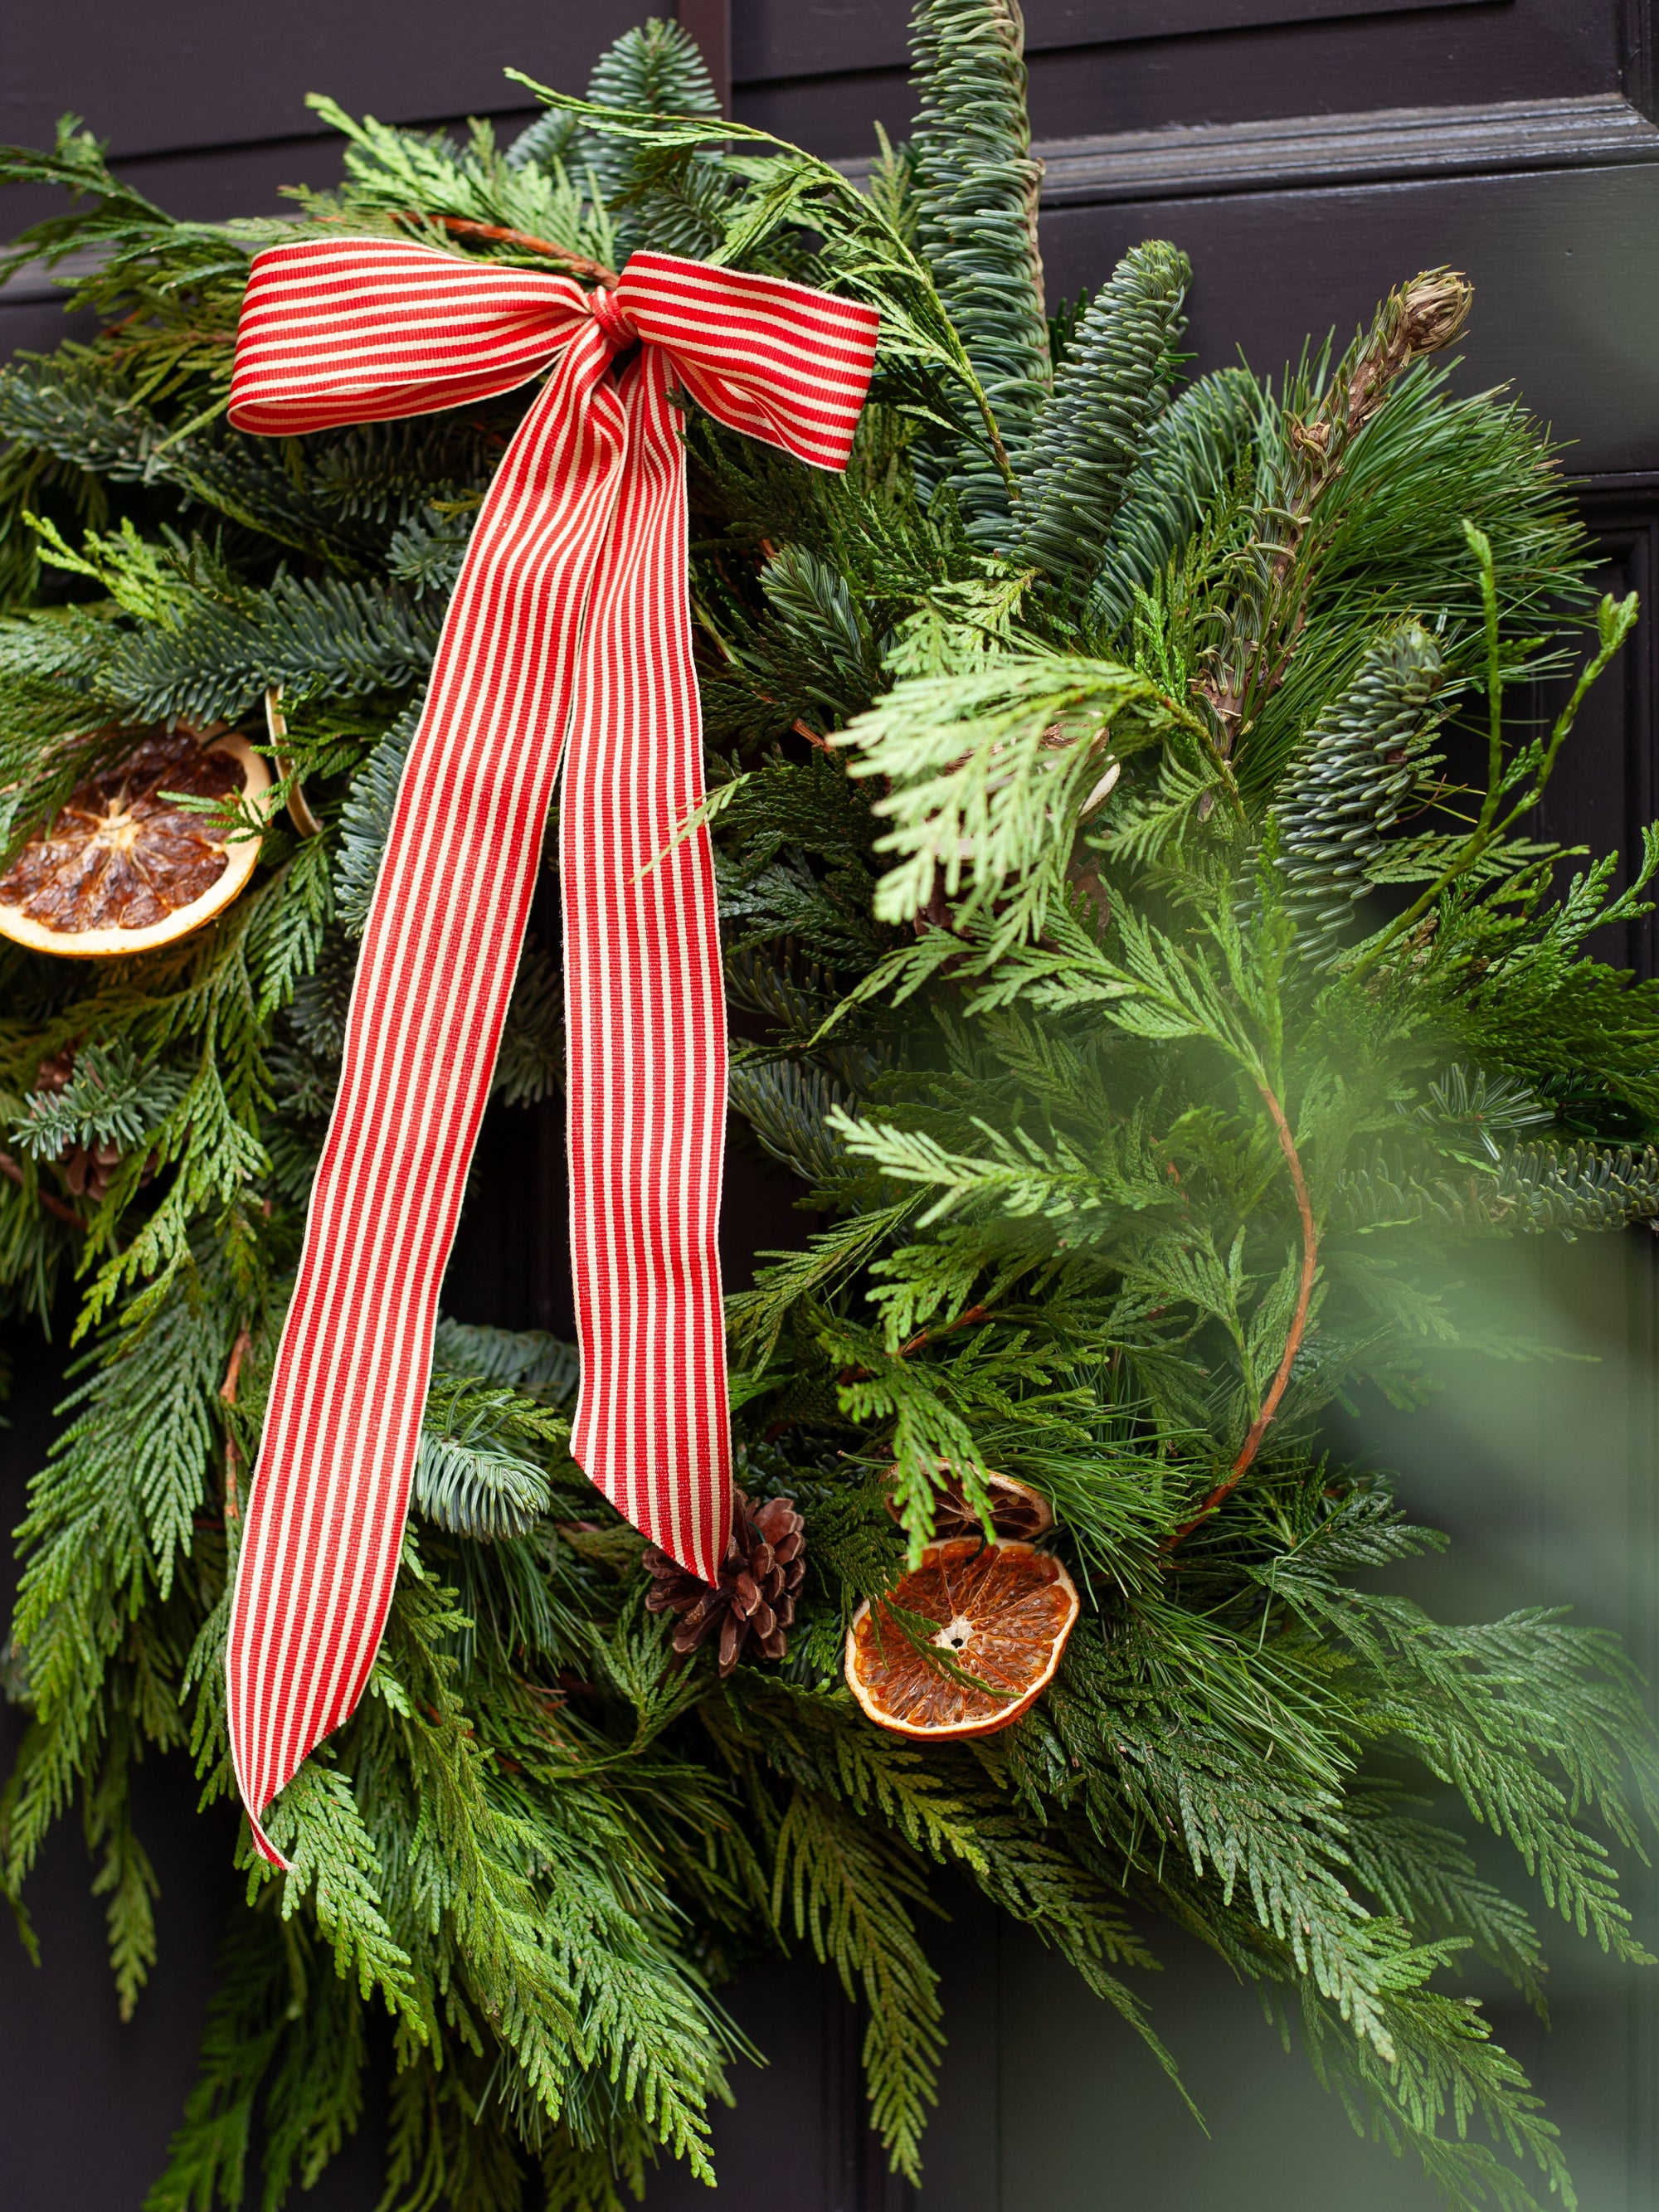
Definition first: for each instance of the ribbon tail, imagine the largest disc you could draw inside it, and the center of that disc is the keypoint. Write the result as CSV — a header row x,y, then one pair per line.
x,y
266,1849
646,1016
320,1556
576,575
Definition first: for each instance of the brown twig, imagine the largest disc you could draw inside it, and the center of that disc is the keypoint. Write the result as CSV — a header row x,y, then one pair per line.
x,y
964,1320
233,1457
463,227
53,1205
1252,1443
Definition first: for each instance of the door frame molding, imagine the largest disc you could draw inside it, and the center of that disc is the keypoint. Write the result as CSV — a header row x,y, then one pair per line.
x,y
1309,152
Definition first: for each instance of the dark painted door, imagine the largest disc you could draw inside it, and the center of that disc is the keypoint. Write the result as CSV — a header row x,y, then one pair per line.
x,y
1306,153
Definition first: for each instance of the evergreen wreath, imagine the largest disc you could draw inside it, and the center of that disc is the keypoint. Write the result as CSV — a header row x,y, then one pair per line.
x,y
1147,968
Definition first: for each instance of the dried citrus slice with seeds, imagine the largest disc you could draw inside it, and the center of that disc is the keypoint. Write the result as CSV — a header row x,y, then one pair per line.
x,y
121,867
997,1616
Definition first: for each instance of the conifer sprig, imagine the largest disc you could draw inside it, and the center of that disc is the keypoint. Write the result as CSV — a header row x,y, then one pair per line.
x,y
1110,390
976,188
1069,758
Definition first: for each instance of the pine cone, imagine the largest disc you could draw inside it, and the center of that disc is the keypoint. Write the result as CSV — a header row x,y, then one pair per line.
x,y
85,1169
765,1561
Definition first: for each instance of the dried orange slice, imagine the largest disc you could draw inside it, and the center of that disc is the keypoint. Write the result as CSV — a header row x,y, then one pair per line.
x,y
1017,1510
120,868
1002,1615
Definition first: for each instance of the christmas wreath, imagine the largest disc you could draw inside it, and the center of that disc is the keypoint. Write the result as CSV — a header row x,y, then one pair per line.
x,y
1145,960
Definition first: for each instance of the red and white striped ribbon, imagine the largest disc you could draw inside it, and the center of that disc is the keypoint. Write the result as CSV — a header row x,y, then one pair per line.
x,y
569,630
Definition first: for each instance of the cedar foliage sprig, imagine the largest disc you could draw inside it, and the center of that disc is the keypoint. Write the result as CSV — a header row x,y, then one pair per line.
x,y
1145,1008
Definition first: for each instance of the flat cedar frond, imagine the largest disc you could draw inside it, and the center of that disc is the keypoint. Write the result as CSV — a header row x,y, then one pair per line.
x,y
847,1894
1145,1010
991,775
320,1830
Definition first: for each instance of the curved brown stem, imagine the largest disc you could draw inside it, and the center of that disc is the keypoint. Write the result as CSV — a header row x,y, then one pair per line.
x,y
966,1319
232,1458
1252,1443
578,264
298,807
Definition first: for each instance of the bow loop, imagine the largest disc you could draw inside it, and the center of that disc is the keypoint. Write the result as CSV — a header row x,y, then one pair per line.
x,y
367,330
776,360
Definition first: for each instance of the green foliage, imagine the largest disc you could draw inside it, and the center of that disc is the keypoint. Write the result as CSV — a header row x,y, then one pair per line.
x,y
1150,1016
366,821
1186,473
1109,391
976,188
1346,790
111,1098
470,1478
284,2047
657,70
990,776
390,172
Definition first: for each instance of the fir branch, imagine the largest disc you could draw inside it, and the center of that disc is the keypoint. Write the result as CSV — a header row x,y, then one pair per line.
x,y
1348,788
1568,1187
1109,392
1302,473
111,1098
1187,464
657,70
468,1477
975,190
366,820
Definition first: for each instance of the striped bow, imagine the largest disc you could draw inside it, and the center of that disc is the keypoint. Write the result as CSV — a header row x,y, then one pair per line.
x,y
569,631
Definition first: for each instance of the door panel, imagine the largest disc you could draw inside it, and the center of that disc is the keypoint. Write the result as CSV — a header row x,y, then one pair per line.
x,y
1565,265
782,39
233,75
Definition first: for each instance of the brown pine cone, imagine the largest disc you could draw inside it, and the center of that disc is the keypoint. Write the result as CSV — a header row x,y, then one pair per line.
x,y
764,1563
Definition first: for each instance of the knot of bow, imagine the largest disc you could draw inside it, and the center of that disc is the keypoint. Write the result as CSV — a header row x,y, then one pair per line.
x,y
568,643
608,312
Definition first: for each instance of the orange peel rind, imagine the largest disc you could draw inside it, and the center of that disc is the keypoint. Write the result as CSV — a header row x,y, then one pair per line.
x,y
120,868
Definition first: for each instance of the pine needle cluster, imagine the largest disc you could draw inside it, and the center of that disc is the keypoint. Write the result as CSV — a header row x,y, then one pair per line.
x,y
1148,969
